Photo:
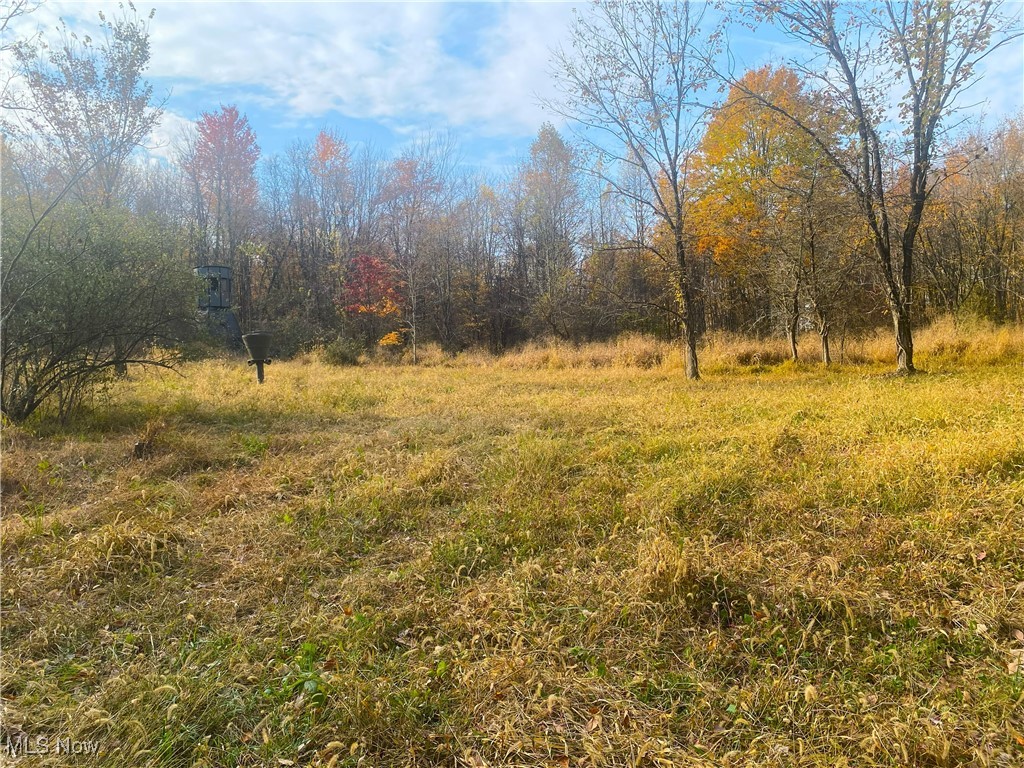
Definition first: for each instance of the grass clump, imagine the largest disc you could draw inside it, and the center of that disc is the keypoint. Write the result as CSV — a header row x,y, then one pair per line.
x,y
520,563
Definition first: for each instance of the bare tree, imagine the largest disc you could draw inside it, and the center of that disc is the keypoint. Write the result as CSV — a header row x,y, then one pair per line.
x,y
90,99
919,57
971,244
418,187
630,85
11,99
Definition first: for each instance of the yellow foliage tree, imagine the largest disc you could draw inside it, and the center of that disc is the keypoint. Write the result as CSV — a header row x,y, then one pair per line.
x,y
767,206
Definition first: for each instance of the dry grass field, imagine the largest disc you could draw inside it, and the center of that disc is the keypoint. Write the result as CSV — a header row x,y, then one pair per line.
x,y
559,558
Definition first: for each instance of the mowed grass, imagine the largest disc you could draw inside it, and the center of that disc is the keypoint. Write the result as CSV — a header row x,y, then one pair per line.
x,y
484,565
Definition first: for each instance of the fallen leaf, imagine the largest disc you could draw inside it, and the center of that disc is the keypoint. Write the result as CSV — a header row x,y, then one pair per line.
x,y
404,638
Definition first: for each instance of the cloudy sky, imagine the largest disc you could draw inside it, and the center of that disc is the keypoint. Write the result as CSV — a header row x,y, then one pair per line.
x,y
385,72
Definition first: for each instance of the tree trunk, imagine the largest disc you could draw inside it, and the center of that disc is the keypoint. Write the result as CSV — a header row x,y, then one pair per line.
x,y
826,353
794,321
120,355
904,339
1000,295
686,297
412,329
690,337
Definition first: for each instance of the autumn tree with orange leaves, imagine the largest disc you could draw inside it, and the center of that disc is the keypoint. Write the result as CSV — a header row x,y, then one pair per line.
x,y
919,54
770,210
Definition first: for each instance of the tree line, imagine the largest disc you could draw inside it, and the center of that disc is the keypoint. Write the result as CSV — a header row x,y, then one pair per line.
x,y
833,194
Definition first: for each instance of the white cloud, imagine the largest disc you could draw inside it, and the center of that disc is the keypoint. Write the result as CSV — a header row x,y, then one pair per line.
x,y
163,139
390,62
475,67
1000,90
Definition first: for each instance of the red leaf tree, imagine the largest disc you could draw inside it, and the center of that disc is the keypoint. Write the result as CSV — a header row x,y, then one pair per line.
x,y
370,294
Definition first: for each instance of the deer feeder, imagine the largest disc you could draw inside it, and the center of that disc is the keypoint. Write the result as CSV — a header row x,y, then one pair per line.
x,y
258,346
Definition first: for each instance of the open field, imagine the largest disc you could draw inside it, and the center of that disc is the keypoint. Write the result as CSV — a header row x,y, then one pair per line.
x,y
498,565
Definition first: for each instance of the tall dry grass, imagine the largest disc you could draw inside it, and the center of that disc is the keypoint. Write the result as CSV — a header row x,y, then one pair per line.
x,y
483,565
945,342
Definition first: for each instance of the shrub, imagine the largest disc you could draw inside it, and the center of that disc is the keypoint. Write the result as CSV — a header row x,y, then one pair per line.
x,y
88,292
343,351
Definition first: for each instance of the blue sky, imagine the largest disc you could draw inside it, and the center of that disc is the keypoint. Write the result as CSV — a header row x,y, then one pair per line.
x,y
386,72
